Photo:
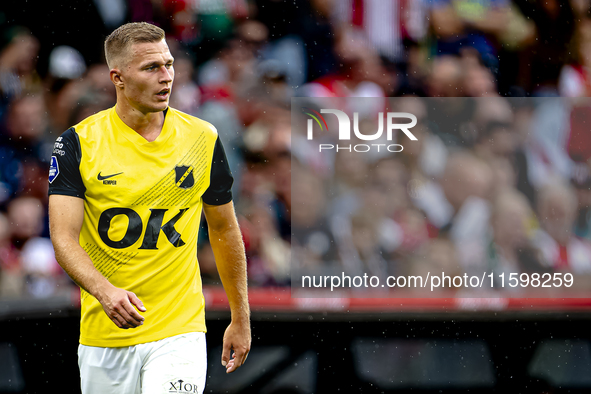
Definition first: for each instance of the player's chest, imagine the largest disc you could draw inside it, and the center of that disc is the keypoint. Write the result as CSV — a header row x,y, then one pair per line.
x,y
175,175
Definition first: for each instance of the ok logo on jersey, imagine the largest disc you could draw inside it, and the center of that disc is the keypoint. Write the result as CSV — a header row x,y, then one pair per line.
x,y
135,226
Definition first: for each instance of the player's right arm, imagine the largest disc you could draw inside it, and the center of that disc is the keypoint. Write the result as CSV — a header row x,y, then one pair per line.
x,y
66,215
65,221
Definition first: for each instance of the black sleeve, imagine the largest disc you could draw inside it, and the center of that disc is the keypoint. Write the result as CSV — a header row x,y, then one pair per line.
x,y
64,170
219,191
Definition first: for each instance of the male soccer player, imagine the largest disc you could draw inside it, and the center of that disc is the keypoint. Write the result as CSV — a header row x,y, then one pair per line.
x,y
127,188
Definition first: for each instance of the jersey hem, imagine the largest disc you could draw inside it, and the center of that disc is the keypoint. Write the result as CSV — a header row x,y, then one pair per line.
x,y
126,342
65,192
219,201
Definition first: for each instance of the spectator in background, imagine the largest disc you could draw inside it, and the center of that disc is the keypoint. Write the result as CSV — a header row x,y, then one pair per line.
x,y
469,25
234,67
262,190
562,250
555,26
28,261
445,78
424,163
98,80
548,155
455,76
268,255
490,115
390,175
89,104
64,86
18,58
94,93
24,148
425,157
11,276
578,145
312,243
459,204
582,183
361,72
365,253
511,249
385,24
499,141
113,12
478,80
187,96
318,34
182,21
574,79
439,255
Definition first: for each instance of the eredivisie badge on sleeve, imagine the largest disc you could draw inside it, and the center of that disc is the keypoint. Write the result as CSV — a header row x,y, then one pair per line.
x,y
54,169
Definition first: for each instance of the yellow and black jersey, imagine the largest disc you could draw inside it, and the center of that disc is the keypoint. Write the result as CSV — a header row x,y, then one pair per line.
x,y
142,208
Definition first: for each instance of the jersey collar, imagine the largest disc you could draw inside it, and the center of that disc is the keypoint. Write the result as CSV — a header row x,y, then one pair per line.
x,y
137,139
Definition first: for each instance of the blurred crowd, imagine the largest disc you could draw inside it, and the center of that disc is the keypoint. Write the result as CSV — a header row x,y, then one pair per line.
x,y
491,185
508,187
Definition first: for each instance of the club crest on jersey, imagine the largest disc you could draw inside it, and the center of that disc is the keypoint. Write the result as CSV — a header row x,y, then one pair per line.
x,y
184,177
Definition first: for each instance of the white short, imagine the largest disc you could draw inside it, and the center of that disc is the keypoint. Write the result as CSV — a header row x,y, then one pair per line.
x,y
172,365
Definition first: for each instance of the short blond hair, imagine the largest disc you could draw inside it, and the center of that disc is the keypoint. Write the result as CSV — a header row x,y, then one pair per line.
x,y
118,42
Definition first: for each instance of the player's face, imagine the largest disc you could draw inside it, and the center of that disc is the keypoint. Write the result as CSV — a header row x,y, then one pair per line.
x,y
148,76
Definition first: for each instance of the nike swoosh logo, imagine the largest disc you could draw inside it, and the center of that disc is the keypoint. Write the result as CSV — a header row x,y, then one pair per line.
x,y
101,178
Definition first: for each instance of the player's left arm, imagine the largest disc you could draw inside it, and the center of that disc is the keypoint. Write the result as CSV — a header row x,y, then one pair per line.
x,y
228,249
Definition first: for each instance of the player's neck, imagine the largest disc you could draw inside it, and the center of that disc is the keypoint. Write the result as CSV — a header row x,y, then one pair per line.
x,y
147,125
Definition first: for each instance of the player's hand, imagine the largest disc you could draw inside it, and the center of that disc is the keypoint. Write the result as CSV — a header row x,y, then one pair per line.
x,y
236,341
119,306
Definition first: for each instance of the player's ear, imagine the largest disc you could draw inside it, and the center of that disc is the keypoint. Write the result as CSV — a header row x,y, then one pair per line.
x,y
116,77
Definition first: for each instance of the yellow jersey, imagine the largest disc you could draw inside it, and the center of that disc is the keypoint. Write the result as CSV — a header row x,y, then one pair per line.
x,y
142,211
